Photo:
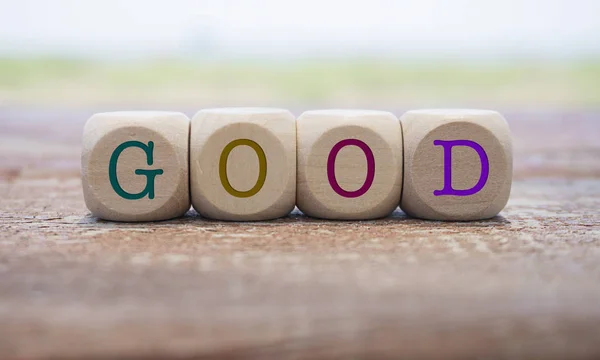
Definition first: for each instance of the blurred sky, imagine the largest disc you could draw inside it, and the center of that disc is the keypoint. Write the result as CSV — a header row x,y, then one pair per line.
x,y
308,28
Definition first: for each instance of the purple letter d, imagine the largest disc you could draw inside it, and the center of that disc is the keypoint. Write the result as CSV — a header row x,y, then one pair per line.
x,y
485,167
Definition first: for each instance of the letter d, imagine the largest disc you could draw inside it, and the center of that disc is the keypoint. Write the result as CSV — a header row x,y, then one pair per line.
x,y
485,167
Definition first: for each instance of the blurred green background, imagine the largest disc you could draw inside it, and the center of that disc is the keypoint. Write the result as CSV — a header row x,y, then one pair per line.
x,y
62,81
510,53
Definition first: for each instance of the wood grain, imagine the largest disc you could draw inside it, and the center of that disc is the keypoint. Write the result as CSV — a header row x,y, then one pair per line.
x,y
525,284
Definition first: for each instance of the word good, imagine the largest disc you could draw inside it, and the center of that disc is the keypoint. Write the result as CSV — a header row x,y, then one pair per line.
x,y
249,164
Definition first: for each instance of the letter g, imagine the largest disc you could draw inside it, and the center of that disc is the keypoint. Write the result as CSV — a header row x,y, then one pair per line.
x,y
150,174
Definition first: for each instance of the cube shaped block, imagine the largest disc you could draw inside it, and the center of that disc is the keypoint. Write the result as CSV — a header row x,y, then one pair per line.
x,y
135,165
349,164
243,163
457,164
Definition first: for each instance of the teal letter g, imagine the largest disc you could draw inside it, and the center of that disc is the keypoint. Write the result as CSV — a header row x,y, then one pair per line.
x,y
150,174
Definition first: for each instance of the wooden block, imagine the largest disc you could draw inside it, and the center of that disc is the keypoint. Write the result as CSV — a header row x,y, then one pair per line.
x,y
243,163
349,164
457,164
135,165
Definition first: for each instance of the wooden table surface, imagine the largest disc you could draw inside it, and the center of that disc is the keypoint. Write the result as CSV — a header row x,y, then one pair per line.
x,y
524,284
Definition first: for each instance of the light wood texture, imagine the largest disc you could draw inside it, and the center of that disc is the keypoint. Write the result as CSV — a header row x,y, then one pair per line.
x,y
349,164
134,165
243,163
522,285
457,164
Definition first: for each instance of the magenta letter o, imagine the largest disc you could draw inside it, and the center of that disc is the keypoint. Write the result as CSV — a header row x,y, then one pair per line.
x,y
331,168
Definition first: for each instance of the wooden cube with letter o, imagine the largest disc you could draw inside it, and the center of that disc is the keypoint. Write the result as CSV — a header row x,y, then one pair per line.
x,y
243,163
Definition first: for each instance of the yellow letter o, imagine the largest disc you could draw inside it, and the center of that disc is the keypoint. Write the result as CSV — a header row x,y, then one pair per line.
x,y
262,168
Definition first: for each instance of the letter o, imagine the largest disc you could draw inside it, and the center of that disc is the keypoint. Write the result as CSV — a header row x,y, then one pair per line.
x,y
331,168
262,170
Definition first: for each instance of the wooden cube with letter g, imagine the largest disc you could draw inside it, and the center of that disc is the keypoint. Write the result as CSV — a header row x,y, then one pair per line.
x,y
134,165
